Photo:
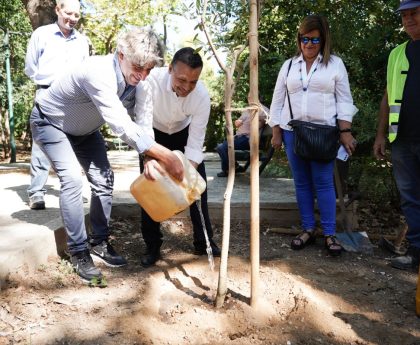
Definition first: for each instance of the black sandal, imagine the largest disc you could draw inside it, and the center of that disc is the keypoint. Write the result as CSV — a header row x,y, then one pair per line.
x,y
333,246
299,242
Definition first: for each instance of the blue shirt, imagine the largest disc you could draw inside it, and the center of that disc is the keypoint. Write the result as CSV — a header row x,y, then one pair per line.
x,y
93,94
50,53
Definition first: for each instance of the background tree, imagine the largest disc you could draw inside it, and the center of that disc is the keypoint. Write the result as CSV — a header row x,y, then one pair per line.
x,y
40,12
102,22
14,19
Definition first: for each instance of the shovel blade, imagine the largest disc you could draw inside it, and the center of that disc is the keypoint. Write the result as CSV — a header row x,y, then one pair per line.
x,y
356,242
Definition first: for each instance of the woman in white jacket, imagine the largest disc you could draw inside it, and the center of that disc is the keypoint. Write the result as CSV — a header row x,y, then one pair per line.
x,y
319,92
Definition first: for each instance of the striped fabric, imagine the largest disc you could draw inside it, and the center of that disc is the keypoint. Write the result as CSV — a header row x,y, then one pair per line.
x,y
81,101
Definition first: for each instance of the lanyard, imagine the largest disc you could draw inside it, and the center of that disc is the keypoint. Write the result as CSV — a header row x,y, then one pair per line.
x,y
306,79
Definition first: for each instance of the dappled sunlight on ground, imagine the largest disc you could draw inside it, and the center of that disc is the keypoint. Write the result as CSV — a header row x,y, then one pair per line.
x,y
304,298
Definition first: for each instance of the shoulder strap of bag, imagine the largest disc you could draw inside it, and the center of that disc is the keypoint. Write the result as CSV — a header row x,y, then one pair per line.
x,y
287,90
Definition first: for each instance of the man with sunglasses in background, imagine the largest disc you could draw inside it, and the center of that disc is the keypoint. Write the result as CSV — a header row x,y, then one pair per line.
x,y
52,50
180,112
400,114
65,123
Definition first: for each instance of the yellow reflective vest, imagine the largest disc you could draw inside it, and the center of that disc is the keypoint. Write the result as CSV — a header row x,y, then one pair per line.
x,y
396,76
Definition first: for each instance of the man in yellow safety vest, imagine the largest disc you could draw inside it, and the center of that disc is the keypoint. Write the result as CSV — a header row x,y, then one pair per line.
x,y
400,113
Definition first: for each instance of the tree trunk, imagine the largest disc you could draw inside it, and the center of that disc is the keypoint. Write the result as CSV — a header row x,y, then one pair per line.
x,y
5,132
2,136
222,283
230,85
165,31
40,12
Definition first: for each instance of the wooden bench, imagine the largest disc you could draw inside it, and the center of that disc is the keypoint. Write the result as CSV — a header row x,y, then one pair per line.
x,y
119,144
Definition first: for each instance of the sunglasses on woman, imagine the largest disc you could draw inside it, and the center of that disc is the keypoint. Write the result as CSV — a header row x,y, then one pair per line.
x,y
314,40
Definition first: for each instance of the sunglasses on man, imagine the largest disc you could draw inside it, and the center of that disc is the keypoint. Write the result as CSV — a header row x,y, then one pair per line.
x,y
314,40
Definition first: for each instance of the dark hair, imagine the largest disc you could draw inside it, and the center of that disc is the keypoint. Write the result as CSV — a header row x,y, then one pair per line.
x,y
188,56
315,22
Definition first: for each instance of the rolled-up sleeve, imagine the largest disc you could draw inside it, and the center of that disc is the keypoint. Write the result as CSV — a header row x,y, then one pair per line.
x,y
279,95
344,100
31,59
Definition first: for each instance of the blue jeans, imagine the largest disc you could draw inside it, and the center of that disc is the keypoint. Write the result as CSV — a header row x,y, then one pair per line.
x,y
310,177
406,168
240,142
66,154
40,167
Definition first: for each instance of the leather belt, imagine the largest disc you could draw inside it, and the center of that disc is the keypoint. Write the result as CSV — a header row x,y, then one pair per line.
x,y
41,114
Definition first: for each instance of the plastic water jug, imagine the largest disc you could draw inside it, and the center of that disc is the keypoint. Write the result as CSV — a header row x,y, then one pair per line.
x,y
164,197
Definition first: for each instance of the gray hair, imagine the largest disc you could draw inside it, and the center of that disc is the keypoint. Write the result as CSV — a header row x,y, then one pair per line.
x,y
141,47
63,3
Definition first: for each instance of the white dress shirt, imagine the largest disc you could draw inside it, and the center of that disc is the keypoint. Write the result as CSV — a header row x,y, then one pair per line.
x,y
157,103
245,127
81,101
50,53
326,98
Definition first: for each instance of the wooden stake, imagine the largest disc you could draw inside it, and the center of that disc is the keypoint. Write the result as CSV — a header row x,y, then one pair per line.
x,y
254,146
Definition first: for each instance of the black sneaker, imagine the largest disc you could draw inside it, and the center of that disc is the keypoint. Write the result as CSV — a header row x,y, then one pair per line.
x,y
83,265
106,253
408,261
150,257
37,202
222,174
201,249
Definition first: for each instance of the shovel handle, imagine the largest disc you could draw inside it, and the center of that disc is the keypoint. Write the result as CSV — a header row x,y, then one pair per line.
x,y
400,236
340,196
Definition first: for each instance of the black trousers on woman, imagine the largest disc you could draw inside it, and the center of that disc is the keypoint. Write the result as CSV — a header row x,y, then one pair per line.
x,y
150,229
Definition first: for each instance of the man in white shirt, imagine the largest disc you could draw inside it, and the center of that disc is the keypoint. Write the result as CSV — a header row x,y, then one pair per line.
x,y
180,112
65,123
52,49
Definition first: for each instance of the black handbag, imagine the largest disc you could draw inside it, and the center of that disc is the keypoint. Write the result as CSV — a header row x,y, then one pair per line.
x,y
313,141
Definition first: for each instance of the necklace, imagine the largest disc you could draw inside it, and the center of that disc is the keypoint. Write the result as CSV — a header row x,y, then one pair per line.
x,y
305,87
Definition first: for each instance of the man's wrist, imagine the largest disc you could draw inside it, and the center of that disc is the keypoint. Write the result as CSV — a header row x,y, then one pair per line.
x,y
276,128
346,130
380,136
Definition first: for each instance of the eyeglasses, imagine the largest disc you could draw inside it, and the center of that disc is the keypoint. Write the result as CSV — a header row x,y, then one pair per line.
x,y
314,40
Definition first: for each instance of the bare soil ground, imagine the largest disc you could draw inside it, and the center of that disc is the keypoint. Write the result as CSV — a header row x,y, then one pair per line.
x,y
306,297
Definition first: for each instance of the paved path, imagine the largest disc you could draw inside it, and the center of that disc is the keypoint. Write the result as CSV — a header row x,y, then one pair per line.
x,y
28,237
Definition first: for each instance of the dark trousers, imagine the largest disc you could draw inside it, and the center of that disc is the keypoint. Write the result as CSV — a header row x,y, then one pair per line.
x,y
406,168
240,142
150,229
66,154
